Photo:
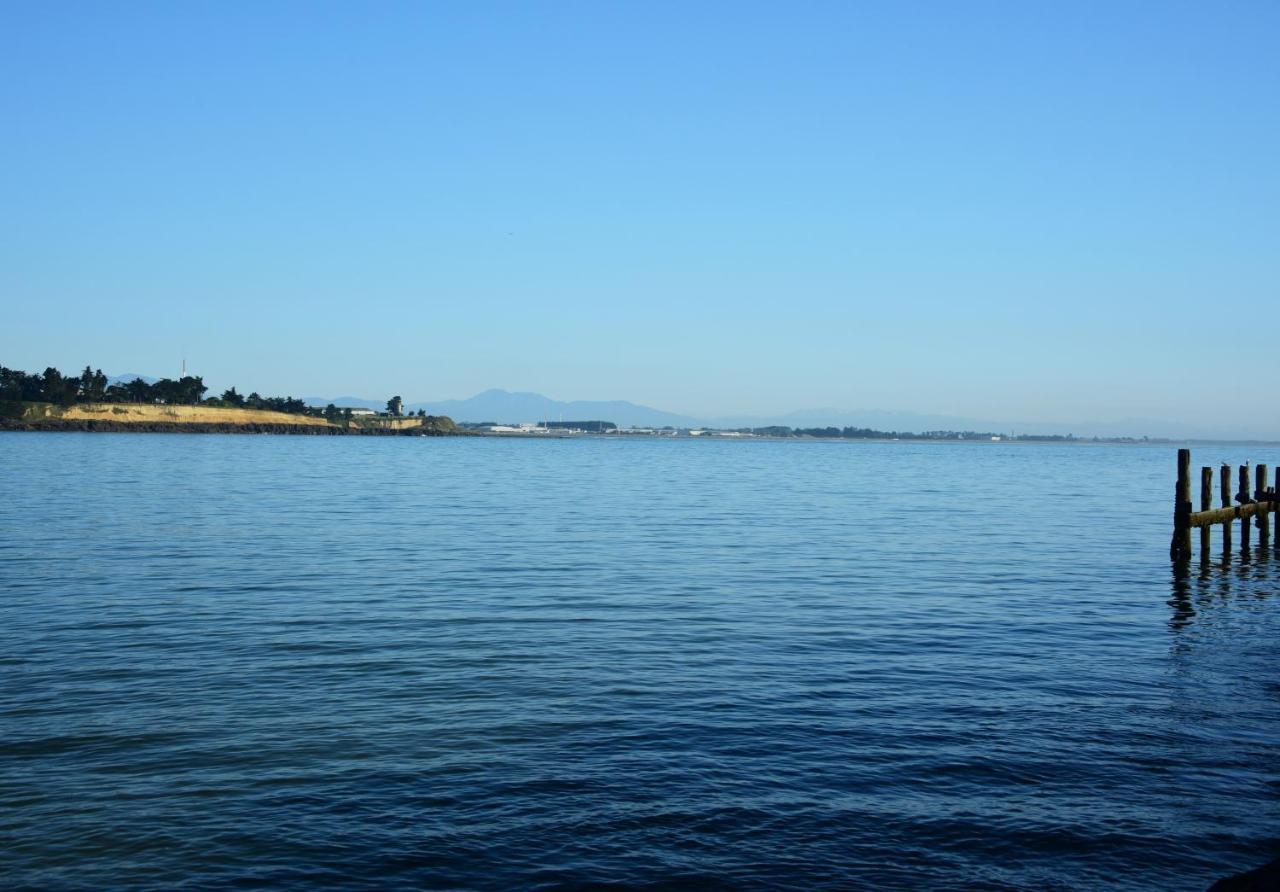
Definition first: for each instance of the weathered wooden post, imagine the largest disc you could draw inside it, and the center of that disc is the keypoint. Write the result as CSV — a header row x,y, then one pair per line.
x,y
1225,479
1243,496
1180,547
1264,513
1206,503
1257,502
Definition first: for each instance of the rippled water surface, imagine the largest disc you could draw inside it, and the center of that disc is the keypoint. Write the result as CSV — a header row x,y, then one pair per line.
x,y
484,663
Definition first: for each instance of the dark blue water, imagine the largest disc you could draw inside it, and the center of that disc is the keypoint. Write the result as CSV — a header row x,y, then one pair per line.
x,y
477,663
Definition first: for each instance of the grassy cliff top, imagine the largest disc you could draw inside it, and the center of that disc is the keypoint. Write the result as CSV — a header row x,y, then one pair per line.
x,y
149,416
138,413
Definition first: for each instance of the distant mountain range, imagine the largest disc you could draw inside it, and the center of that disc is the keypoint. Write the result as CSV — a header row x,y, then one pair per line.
x,y
129,376
503,406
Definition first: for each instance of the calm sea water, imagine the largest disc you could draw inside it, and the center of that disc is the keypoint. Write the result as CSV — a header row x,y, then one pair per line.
x,y
481,663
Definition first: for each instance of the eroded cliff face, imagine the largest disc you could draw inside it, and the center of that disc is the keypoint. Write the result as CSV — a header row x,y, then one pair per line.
x,y
431,425
137,413
140,418
163,427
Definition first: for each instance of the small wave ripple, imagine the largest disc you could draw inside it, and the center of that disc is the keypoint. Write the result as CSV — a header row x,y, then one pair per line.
x,y
251,661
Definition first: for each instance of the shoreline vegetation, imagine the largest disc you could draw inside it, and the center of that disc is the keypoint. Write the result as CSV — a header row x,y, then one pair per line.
x,y
52,401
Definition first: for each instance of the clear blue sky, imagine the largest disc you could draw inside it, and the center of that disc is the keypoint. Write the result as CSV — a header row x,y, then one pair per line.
x,y
1016,210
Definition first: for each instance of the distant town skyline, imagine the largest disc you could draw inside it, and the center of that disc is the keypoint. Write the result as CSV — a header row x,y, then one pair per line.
x,y
1045,214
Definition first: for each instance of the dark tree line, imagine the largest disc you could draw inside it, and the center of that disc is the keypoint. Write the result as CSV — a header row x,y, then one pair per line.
x,y
90,386
232,399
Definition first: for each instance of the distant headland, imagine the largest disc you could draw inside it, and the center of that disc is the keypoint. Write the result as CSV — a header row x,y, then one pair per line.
x,y
90,401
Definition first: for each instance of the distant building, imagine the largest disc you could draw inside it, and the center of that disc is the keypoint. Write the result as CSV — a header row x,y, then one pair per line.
x,y
525,428
592,427
356,411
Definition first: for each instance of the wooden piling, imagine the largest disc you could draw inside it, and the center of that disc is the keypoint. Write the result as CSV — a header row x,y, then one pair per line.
x,y
1224,515
1180,547
1255,506
1206,503
1225,480
1243,496
1264,516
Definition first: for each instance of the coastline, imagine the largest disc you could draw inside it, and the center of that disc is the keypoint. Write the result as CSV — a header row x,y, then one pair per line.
x,y
160,418
184,419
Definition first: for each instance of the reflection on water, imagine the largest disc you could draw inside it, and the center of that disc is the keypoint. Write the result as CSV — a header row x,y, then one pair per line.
x,y
1213,582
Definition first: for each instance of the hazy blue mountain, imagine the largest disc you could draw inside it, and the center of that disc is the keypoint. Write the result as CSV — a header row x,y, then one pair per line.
x,y
129,376
506,407
503,406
